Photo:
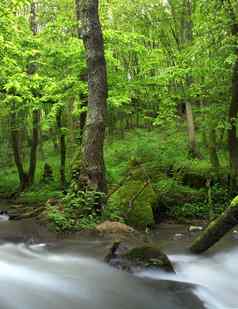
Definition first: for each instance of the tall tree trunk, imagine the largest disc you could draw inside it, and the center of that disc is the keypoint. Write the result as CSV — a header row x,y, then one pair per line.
x,y
16,150
233,110
232,133
36,113
183,39
83,77
191,129
82,117
41,145
92,172
186,40
82,121
212,148
34,147
62,144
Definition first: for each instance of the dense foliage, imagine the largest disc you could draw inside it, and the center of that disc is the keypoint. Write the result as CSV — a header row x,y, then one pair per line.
x,y
171,145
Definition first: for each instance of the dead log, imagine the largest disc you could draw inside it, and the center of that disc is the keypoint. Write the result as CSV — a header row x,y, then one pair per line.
x,y
216,229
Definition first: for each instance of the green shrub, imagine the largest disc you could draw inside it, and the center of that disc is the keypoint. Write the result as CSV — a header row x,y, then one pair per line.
x,y
78,210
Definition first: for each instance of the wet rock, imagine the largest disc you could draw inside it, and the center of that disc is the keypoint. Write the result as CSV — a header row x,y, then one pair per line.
x,y
4,216
235,234
194,229
113,227
178,236
138,258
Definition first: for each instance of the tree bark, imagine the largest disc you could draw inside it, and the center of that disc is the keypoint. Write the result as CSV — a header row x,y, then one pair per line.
x,y
187,26
92,172
16,150
36,113
233,109
191,130
216,229
62,144
34,147
83,77
232,133
186,40
27,179
212,148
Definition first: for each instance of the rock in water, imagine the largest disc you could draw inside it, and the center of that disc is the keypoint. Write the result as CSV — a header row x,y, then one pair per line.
x,y
114,227
139,258
195,228
178,236
235,234
4,217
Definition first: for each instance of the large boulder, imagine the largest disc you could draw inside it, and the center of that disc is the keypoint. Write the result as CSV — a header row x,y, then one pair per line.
x,y
138,258
135,200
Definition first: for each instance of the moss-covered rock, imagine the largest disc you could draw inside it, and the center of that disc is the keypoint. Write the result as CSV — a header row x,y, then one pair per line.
x,y
150,256
135,199
138,258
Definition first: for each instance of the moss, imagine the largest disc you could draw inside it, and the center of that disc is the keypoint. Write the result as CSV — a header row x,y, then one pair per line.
x,y
196,174
150,256
234,202
217,229
39,197
138,211
178,201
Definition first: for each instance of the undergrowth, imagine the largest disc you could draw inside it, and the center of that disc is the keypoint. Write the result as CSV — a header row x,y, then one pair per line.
x,y
160,158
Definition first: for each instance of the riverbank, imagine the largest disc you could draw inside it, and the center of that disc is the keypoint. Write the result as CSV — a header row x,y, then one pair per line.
x,y
27,239
169,236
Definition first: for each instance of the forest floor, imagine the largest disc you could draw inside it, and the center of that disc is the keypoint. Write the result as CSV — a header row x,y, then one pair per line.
x,y
176,189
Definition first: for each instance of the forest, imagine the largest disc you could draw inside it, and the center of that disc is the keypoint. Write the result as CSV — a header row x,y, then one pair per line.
x,y
145,132
118,150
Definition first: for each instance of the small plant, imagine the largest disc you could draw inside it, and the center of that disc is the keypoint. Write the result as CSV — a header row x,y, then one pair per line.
x,y
78,210
191,211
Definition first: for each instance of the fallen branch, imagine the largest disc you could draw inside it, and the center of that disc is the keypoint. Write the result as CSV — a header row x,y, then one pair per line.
x,y
216,229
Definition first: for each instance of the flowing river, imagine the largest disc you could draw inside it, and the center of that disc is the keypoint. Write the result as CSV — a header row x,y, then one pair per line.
x,y
215,278
73,276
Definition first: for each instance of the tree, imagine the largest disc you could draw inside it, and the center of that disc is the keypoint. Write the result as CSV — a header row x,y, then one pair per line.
x,y
182,31
26,178
32,69
62,146
216,229
92,169
233,109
